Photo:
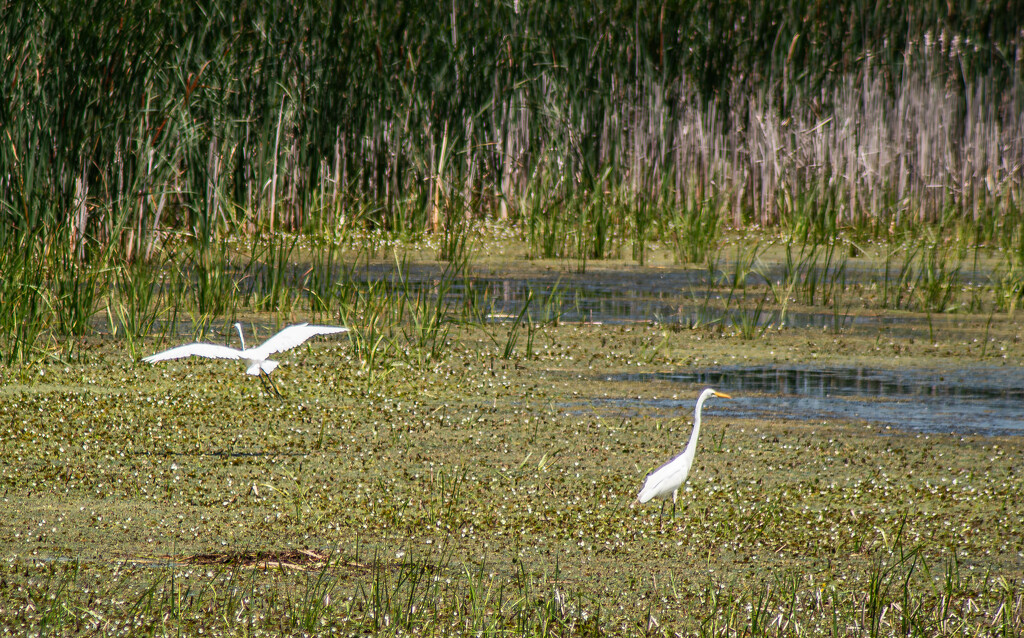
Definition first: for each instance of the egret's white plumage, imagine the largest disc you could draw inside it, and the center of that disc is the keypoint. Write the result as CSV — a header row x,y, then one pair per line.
x,y
667,479
257,359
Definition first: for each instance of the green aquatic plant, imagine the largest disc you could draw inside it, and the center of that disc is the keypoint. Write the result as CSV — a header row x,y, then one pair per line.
x,y
23,296
938,279
76,289
320,280
427,308
214,288
523,318
136,298
694,228
273,277
751,321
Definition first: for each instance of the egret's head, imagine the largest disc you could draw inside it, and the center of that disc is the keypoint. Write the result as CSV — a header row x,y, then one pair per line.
x,y
711,392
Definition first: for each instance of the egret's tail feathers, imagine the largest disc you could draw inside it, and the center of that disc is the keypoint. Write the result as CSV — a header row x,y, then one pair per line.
x,y
647,493
258,367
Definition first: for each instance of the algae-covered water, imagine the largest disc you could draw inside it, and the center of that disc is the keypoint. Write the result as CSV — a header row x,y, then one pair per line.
x,y
472,492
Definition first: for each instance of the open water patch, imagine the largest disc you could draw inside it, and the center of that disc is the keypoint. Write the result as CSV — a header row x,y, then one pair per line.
x,y
674,297
976,400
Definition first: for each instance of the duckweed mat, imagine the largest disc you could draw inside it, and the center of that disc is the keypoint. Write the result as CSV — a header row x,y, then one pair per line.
x,y
475,494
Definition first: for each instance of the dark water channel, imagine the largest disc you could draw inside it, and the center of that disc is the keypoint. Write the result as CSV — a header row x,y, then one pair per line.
x,y
673,297
688,297
971,401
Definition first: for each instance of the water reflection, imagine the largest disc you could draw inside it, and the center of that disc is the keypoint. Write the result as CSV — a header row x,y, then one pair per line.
x,y
1003,383
972,400
681,298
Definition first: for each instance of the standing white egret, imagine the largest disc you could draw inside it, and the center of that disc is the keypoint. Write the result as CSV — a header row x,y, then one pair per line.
x,y
257,359
668,478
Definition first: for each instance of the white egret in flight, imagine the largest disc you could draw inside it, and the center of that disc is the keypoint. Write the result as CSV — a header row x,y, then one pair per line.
x,y
668,478
257,359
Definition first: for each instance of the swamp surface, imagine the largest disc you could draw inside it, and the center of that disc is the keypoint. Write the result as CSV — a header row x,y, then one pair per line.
x,y
486,490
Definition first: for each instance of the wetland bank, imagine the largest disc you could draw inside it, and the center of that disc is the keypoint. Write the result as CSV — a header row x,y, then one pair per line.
x,y
482,490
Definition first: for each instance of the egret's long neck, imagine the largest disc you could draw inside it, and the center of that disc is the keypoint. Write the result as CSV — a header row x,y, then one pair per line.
x,y
241,337
696,425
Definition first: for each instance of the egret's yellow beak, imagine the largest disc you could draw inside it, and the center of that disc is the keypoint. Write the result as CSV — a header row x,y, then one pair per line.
x,y
723,395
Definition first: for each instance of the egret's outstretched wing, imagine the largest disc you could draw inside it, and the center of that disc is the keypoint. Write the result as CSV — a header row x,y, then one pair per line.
x,y
291,337
208,350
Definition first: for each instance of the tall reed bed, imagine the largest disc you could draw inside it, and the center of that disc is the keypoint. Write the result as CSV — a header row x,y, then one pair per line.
x,y
593,132
124,123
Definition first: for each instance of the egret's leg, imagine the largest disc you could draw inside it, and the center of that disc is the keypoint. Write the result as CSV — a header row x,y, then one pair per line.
x,y
273,385
263,383
675,495
661,514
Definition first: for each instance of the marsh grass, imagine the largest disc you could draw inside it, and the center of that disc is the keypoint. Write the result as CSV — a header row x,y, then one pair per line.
x,y
752,321
273,276
321,279
214,289
365,311
816,275
457,232
925,275
938,278
77,288
513,332
643,215
136,298
737,311
292,275
428,308
694,228
896,592
23,296
897,275
611,135
134,304
612,130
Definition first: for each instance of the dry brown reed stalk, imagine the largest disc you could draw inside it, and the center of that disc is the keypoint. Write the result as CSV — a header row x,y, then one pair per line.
x,y
258,119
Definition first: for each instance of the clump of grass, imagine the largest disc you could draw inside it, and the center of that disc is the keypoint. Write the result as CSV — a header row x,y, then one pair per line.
x,y
428,308
134,304
365,311
513,332
694,229
320,281
938,276
752,322
23,295
817,274
214,291
273,275
77,287
923,274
